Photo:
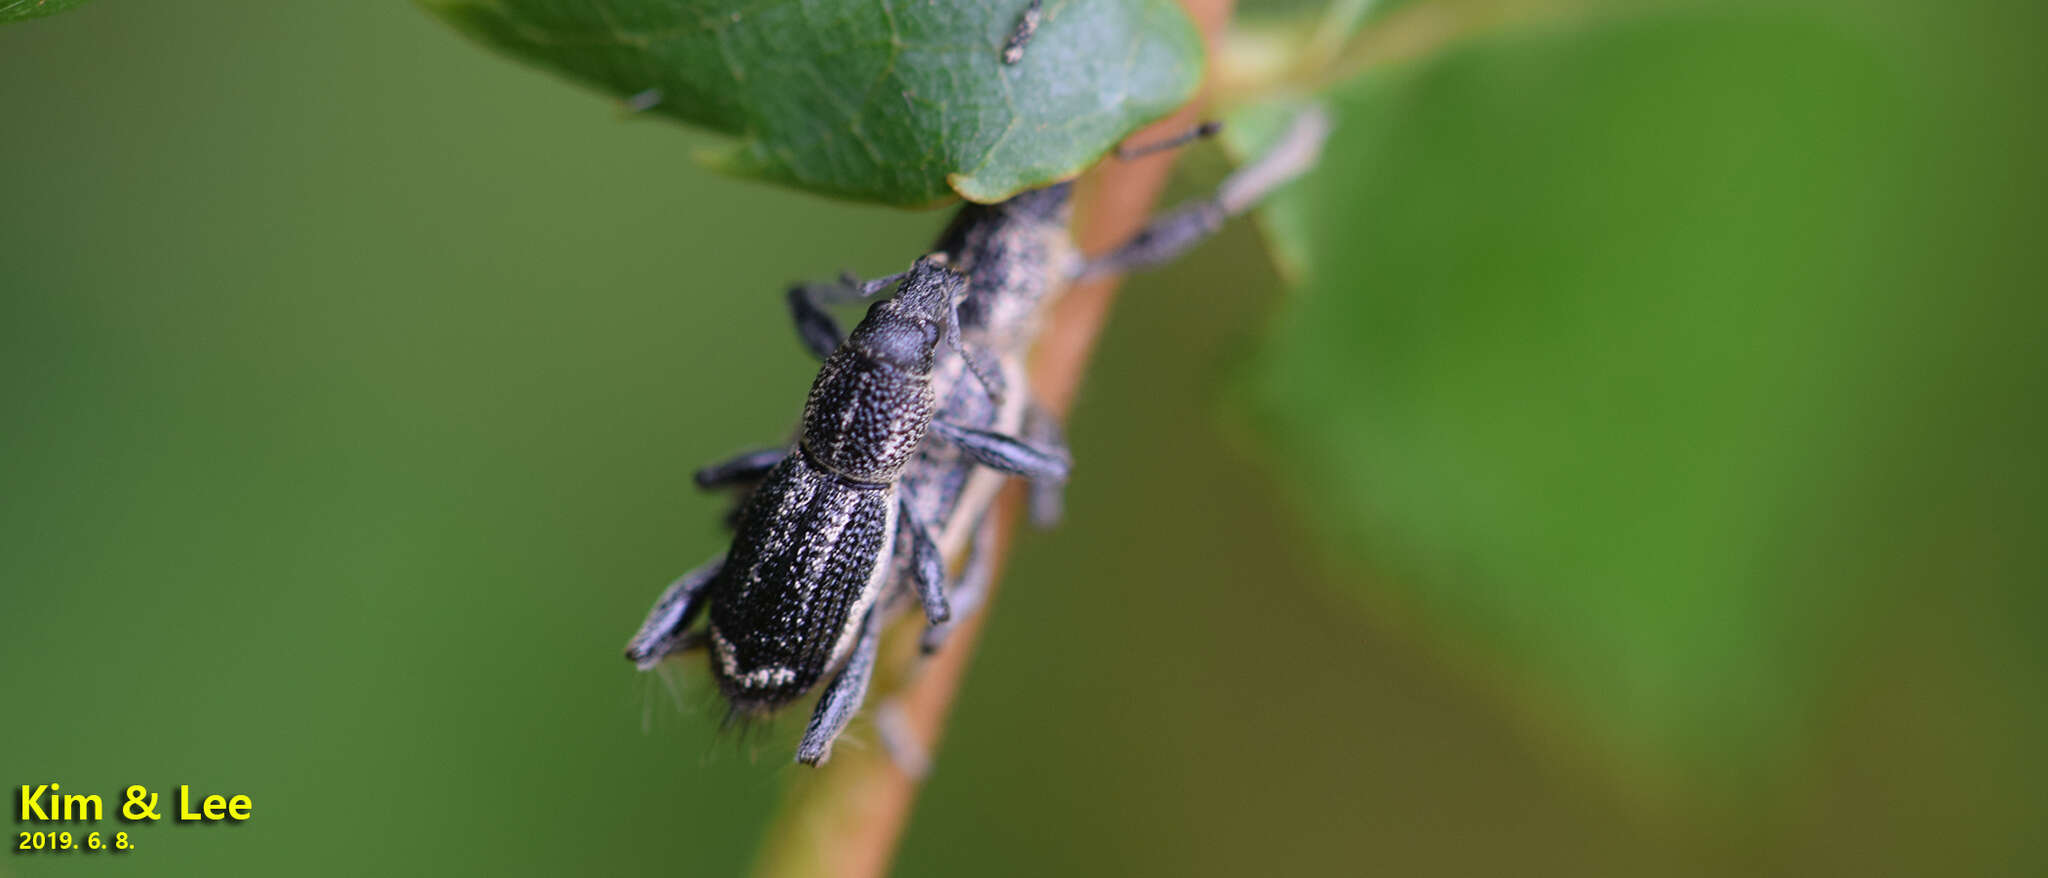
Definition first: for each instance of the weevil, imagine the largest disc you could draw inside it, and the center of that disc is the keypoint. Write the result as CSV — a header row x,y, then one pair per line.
x,y
1017,256
823,541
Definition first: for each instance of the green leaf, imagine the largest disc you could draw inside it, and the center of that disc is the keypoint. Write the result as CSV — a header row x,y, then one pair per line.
x,y
1344,17
1604,359
22,10
900,103
1295,40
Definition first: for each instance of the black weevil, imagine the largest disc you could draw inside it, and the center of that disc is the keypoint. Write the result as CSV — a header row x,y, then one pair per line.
x,y
818,544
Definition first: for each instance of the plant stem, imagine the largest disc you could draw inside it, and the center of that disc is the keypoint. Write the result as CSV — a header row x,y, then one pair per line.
x,y
844,818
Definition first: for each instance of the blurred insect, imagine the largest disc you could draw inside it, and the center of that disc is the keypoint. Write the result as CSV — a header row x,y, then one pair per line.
x,y
1027,25
1019,255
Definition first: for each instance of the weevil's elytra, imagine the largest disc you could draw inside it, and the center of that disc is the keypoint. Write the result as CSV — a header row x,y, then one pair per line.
x,y
806,566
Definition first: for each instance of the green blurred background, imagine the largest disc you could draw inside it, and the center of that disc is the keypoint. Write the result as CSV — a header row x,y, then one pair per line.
x,y
352,379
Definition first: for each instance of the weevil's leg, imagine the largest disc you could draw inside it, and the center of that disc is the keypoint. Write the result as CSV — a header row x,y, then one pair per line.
x,y
1006,453
1027,24
1168,236
927,565
900,740
1048,496
814,325
1160,241
1293,155
740,468
1204,129
842,699
972,589
663,633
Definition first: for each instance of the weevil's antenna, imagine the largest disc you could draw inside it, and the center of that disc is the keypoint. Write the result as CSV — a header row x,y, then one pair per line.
x,y
990,380
1205,129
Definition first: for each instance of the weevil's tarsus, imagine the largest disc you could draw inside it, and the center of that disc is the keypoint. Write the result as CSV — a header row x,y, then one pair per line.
x,y
1201,130
1047,501
842,699
745,467
1167,237
681,643
899,740
664,631
1027,24
1006,453
1294,154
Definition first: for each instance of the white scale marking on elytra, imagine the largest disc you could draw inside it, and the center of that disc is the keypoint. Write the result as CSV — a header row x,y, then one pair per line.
x,y
761,677
884,569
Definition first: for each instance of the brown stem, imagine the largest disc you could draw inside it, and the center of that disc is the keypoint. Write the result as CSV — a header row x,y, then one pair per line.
x,y
844,818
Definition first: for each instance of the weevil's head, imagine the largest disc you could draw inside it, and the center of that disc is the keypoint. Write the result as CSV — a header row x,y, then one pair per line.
x,y
904,332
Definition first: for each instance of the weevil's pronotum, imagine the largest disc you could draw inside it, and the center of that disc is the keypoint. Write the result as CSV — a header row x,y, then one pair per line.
x,y
821,541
